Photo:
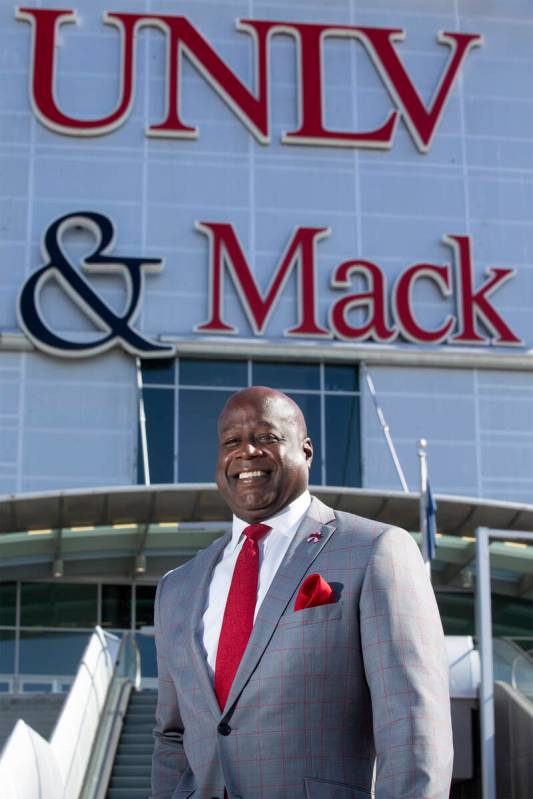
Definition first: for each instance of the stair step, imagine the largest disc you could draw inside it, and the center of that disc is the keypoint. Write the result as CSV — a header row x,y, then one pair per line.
x,y
142,697
131,770
127,762
134,725
135,739
130,777
132,780
142,713
136,734
135,749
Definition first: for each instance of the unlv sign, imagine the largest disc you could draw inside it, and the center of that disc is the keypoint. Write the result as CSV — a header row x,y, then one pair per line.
x,y
250,105
386,316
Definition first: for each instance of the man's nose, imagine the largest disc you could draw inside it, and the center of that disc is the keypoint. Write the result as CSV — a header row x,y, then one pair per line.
x,y
249,449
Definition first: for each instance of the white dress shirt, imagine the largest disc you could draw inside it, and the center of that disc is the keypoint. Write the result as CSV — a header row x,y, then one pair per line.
x,y
272,549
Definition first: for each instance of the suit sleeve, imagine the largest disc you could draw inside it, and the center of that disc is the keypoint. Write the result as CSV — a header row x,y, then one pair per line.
x,y
406,668
168,760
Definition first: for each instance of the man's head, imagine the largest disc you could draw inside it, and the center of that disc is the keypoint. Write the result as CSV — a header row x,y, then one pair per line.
x,y
264,453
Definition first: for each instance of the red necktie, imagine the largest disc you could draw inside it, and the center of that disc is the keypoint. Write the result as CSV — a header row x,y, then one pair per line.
x,y
238,618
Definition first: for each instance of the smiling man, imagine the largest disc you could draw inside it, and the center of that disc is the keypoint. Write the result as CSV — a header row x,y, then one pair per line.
x,y
301,655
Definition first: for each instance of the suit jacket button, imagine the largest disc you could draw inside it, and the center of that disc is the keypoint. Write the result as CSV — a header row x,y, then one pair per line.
x,y
223,728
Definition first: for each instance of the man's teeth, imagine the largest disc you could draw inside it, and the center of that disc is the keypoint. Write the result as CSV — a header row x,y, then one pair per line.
x,y
246,475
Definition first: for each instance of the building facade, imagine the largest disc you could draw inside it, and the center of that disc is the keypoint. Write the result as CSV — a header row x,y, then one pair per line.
x,y
302,196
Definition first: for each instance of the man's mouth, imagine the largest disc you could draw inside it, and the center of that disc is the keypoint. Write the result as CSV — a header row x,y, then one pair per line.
x,y
255,474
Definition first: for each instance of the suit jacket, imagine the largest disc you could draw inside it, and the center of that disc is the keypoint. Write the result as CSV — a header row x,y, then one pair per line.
x,y
342,701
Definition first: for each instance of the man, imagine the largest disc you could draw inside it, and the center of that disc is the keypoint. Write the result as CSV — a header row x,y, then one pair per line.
x,y
302,654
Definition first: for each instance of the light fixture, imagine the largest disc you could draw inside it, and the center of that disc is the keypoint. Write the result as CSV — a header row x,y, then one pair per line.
x,y
58,570
140,563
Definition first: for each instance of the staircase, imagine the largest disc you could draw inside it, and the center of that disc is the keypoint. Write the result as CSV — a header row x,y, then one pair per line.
x,y
130,777
40,711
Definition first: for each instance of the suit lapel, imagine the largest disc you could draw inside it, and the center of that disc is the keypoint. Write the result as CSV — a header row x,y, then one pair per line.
x,y
296,563
203,570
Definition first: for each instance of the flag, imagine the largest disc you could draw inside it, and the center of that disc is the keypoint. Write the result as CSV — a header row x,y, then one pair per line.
x,y
431,523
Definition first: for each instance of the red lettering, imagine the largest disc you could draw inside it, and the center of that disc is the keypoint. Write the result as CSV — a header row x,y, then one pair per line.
x,y
46,23
403,306
250,107
226,251
375,300
474,305
251,110
312,130
181,37
421,121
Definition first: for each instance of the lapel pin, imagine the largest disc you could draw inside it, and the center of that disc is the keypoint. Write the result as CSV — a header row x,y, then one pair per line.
x,y
314,537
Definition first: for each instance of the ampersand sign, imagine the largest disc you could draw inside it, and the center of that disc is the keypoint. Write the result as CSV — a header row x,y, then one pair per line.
x,y
117,329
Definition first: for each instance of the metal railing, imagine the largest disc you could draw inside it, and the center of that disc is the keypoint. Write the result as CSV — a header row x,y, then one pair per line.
x,y
35,768
126,678
485,643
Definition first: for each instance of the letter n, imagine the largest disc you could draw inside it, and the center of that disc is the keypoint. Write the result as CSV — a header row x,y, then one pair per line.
x,y
226,252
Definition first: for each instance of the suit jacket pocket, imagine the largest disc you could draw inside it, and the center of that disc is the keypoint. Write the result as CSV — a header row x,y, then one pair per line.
x,y
328,789
316,613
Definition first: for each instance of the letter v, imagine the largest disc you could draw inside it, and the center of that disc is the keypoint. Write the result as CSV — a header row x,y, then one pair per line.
x,y
421,121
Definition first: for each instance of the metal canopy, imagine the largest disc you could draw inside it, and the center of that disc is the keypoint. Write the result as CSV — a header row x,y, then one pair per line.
x,y
201,502
139,532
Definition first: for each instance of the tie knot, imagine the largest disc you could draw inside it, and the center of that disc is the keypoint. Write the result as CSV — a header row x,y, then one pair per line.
x,y
255,532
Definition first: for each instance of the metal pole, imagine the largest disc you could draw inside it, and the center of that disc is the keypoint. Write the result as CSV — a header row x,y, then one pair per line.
x,y
142,423
385,428
422,455
486,687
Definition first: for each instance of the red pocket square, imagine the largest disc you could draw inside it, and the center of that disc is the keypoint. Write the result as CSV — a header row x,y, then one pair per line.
x,y
314,591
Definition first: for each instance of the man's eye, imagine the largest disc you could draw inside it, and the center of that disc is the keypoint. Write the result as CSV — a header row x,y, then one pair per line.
x,y
267,438
231,442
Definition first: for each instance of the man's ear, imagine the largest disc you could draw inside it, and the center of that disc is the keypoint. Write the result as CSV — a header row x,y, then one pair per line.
x,y
307,447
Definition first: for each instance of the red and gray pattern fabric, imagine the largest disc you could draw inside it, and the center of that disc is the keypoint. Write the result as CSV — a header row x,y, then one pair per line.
x,y
339,701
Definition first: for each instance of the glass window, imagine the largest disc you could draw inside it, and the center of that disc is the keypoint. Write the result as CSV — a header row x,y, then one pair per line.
x,y
282,375
159,372
213,373
159,408
58,605
116,606
8,603
333,413
144,605
7,651
343,441
512,616
51,652
338,377
310,405
146,644
456,612
197,433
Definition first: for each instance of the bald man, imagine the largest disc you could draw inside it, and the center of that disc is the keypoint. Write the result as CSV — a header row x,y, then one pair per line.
x,y
301,655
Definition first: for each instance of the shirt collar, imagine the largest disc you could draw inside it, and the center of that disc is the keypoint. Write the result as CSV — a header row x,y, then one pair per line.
x,y
285,522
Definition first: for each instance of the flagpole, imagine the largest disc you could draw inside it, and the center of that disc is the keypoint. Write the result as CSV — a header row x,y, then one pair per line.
x,y
142,422
422,455
385,428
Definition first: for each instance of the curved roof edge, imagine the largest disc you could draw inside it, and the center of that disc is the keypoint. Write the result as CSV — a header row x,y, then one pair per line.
x,y
201,502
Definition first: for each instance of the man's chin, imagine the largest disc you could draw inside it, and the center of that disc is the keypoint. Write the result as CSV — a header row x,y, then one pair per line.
x,y
251,505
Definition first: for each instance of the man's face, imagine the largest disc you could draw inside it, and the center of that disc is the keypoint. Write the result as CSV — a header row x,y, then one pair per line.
x,y
264,454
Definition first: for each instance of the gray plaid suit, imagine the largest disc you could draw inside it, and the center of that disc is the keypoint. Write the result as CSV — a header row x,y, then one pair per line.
x,y
322,694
